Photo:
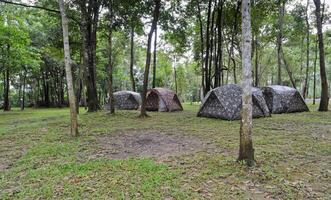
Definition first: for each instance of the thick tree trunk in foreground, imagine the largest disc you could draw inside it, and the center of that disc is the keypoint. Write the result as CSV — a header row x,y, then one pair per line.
x,y
281,11
67,62
110,61
246,151
133,84
154,59
148,56
324,82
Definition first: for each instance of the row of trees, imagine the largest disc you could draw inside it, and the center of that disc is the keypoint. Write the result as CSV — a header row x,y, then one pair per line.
x,y
108,50
284,48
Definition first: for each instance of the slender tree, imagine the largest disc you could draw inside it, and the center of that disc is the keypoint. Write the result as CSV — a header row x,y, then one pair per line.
x,y
246,151
281,11
315,63
324,82
305,86
67,62
154,58
110,58
133,84
207,79
202,49
156,15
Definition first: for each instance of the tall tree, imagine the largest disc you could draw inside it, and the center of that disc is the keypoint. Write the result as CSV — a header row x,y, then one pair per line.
x,y
67,62
154,58
324,82
281,11
89,24
207,72
246,151
110,59
133,83
156,15
305,85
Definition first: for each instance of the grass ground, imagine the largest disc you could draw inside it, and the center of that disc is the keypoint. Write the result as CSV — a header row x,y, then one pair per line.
x,y
39,160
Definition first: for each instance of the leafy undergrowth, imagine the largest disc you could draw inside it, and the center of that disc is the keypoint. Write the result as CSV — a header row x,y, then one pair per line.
x,y
39,160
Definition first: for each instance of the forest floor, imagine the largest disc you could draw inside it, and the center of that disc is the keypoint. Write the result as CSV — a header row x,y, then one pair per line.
x,y
166,156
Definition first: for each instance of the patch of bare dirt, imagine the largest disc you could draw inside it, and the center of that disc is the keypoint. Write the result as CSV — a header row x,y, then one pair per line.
x,y
149,143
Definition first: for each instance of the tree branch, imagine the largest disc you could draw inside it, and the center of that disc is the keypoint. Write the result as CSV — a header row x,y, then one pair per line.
x,y
30,6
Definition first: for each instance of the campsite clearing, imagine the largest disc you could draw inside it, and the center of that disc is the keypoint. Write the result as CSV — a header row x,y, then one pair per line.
x,y
40,160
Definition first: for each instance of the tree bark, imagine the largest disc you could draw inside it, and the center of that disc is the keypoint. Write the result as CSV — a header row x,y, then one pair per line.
x,y
67,62
202,51
6,106
288,70
305,86
315,63
256,62
207,82
156,14
23,91
324,83
133,84
212,32
154,54
110,62
234,31
90,15
246,151
281,11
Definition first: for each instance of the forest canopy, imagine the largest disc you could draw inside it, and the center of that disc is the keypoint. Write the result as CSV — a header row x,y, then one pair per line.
x,y
197,48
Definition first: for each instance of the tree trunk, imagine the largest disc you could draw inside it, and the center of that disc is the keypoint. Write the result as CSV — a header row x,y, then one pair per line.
x,y
281,11
90,15
67,62
211,49
207,84
133,84
110,62
202,51
6,106
154,59
234,31
315,63
219,58
289,71
246,151
156,14
23,91
305,86
324,82
256,62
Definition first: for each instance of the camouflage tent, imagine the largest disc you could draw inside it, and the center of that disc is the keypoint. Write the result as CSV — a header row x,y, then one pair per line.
x,y
126,100
225,103
163,100
282,99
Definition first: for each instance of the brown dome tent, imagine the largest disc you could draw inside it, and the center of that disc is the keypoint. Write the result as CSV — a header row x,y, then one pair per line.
x,y
283,99
225,102
163,100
